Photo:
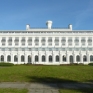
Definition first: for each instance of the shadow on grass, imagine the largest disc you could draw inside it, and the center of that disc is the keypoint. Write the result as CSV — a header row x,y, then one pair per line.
x,y
57,83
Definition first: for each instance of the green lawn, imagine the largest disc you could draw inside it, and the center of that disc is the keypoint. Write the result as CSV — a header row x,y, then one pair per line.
x,y
10,90
32,73
76,91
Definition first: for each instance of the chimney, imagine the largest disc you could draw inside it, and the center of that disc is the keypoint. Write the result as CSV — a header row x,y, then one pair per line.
x,y
49,24
27,27
70,26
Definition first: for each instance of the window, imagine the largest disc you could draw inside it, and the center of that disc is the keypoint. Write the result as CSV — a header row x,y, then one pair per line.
x,y
23,41
63,41
64,58
16,41
57,58
69,40
83,49
15,58
22,58
43,39
90,49
84,58
2,58
50,41
8,58
37,39
29,58
90,41
43,58
50,58
78,58
36,58
56,41
30,41
83,41
3,41
10,41
91,58
71,58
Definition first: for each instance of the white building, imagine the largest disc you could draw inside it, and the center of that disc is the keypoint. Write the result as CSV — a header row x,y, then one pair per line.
x,y
46,46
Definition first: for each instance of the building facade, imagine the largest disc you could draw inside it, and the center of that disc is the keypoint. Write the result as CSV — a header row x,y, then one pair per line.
x,y
48,46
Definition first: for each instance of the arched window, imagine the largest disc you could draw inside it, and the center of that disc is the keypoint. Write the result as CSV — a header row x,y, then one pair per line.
x,y
50,58
36,58
78,58
22,58
64,58
91,58
2,58
15,58
8,58
84,58
57,58
43,58
71,58
29,58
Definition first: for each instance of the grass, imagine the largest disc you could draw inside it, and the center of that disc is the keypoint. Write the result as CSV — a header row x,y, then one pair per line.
x,y
10,90
23,73
76,91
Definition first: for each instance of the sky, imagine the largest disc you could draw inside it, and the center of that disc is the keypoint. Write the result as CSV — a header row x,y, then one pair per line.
x,y
15,14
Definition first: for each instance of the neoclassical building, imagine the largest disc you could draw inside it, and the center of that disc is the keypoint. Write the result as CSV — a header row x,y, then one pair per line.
x,y
48,46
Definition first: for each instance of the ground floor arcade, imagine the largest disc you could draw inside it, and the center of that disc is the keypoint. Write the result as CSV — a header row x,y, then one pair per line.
x,y
47,57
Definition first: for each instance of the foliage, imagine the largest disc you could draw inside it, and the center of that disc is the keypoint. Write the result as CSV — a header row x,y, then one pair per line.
x,y
91,64
6,64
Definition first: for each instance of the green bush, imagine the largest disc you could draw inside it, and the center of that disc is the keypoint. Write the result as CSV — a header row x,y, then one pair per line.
x,y
91,64
6,64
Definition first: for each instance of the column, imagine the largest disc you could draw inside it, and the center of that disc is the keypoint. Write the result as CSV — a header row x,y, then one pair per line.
x,y
12,57
5,57
19,58
20,43
53,57
88,58
13,41
33,41
40,42
33,58
74,58
53,41
80,42
66,41
60,57
46,41
67,56
46,57
0,41
73,39
26,58
26,42
81,58
6,42
60,42
39,55
86,42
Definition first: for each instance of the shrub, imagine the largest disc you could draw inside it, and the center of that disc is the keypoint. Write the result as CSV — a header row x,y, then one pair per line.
x,y
91,64
73,63
81,64
6,64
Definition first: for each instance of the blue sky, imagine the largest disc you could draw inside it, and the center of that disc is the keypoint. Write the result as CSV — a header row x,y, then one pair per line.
x,y
15,14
